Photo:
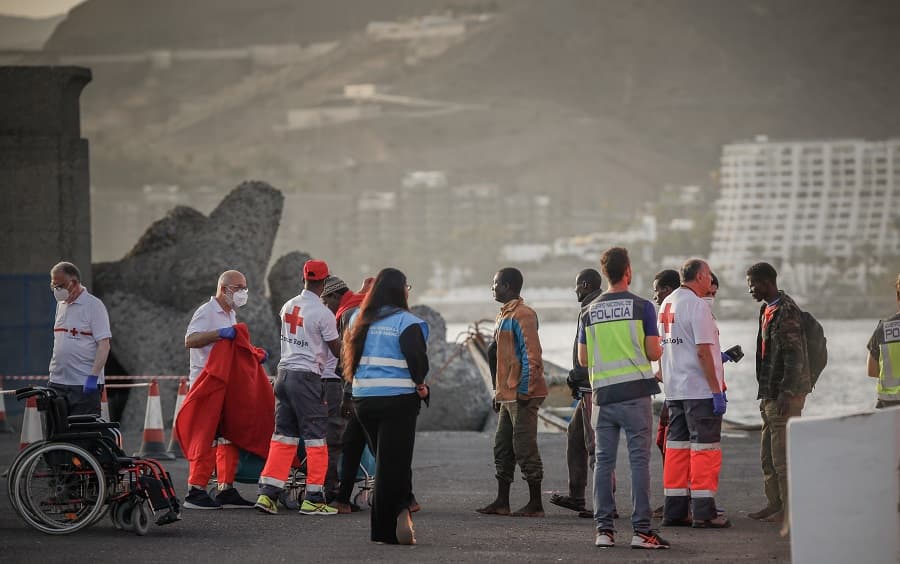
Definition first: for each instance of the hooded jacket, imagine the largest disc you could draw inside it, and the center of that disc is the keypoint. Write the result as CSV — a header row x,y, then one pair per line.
x,y
231,398
520,367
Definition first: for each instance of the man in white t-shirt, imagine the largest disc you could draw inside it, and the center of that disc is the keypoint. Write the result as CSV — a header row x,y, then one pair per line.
x,y
691,368
81,339
212,322
308,334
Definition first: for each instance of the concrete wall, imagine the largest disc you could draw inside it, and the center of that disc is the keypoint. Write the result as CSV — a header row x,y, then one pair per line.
x,y
844,475
44,183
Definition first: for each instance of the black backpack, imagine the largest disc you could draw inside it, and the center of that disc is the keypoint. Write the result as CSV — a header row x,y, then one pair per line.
x,y
816,346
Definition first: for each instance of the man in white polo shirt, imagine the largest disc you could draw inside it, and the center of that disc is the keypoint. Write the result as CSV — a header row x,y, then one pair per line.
x,y
213,321
81,338
308,333
691,368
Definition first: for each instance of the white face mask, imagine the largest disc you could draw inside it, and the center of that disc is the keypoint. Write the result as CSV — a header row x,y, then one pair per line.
x,y
61,294
240,298
711,300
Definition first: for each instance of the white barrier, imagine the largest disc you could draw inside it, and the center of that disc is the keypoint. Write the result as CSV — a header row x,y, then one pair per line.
x,y
844,475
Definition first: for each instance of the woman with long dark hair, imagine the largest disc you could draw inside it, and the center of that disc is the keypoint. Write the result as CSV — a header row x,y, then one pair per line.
x,y
385,355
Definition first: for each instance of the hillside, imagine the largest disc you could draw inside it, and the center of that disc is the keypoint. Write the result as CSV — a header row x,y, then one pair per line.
x,y
596,103
26,33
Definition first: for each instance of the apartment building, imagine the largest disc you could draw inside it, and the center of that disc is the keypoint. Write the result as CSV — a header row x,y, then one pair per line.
x,y
806,201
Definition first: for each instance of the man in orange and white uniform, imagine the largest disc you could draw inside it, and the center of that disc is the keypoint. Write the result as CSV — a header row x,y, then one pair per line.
x,y
691,368
308,333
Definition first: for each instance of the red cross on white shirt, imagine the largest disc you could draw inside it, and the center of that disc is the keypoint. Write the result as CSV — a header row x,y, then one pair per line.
x,y
667,318
294,320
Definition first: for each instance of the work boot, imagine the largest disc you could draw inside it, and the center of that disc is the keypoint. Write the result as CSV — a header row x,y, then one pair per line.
x,y
499,506
534,507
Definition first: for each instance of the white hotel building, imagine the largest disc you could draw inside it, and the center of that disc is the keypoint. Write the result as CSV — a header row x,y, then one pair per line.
x,y
802,199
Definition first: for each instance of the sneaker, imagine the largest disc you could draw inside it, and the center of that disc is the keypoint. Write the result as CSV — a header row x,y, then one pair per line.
x,y
199,499
317,508
265,504
229,498
650,540
720,522
605,538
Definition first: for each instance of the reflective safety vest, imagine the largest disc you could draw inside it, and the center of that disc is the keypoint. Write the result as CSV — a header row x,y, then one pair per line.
x,y
382,370
889,363
618,366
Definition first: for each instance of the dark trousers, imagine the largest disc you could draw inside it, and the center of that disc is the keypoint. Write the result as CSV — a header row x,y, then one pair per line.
x,y
515,441
354,441
580,447
334,432
77,401
390,427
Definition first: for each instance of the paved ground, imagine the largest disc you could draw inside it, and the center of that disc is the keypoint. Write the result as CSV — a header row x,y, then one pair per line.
x,y
453,474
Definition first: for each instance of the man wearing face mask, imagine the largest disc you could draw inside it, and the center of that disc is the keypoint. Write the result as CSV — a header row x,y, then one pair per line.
x,y
81,338
212,322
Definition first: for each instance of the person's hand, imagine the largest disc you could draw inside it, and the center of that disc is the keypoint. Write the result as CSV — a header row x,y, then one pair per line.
x,y
347,407
573,384
719,403
495,405
783,404
423,391
227,333
90,384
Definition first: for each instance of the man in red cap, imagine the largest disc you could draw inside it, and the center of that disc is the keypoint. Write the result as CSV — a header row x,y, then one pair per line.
x,y
308,332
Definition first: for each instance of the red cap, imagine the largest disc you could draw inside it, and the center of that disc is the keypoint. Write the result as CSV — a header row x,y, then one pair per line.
x,y
315,270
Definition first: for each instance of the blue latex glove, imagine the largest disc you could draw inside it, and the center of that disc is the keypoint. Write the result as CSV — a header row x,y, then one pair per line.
x,y
719,403
90,385
227,333
725,357
265,356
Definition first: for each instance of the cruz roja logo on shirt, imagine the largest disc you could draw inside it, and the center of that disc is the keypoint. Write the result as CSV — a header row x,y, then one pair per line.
x,y
610,310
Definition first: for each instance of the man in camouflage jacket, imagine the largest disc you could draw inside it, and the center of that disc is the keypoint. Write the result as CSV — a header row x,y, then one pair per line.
x,y
782,372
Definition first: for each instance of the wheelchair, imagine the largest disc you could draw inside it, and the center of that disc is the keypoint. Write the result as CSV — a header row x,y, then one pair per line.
x,y
80,473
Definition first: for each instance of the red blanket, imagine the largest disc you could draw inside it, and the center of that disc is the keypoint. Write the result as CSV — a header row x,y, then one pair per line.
x,y
231,398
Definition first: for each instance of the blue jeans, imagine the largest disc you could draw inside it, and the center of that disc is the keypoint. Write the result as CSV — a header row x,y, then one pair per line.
x,y
635,417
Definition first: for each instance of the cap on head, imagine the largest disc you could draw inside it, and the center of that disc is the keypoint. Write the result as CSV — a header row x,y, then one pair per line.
x,y
315,270
333,284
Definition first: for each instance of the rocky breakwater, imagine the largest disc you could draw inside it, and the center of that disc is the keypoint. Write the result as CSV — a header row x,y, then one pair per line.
x,y
460,401
153,291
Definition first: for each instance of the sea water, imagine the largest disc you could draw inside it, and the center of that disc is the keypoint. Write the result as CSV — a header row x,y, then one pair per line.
x,y
842,388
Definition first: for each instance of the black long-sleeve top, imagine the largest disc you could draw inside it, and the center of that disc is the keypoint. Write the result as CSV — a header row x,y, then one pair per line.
x,y
415,349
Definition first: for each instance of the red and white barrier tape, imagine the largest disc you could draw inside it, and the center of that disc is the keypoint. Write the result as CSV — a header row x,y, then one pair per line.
x,y
45,377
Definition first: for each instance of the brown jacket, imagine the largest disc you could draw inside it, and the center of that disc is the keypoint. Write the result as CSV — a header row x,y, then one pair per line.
x,y
520,368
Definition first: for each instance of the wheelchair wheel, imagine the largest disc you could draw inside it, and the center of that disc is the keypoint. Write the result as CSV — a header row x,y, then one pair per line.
x,y
11,474
59,488
113,509
140,518
123,516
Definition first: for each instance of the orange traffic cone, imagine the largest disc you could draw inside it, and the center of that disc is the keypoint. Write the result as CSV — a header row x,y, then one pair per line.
x,y
154,445
5,427
32,431
174,447
104,405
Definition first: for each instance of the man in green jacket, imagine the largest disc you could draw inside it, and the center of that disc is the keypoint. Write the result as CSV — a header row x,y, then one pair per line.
x,y
782,372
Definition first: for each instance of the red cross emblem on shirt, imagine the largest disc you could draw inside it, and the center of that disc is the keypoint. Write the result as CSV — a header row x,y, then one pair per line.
x,y
667,318
74,332
294,319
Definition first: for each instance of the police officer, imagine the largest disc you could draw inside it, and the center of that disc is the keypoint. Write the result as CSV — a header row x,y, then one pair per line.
x,y
884,348
617,340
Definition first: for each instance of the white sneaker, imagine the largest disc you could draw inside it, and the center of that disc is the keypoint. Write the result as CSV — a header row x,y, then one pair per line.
x,y
605,539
